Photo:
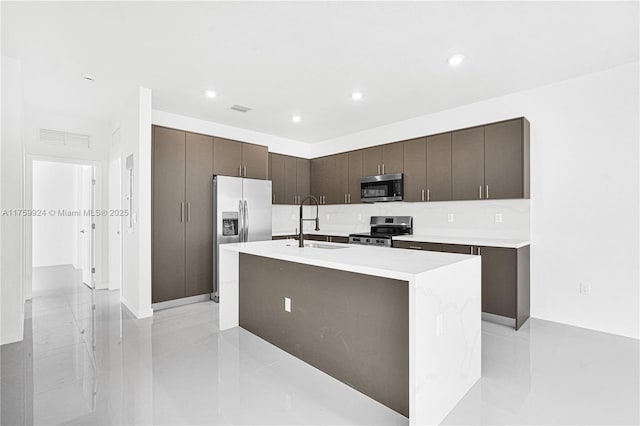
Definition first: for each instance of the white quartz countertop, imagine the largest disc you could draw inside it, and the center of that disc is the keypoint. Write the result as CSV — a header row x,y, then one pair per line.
x,y
470,241
436,238
392,263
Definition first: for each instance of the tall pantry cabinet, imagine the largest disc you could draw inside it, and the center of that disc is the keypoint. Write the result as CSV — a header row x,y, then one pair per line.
x,y
182,241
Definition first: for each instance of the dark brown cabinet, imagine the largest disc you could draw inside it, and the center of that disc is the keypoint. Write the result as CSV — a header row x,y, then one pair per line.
x,y
341,185
182,241
467,148
323,178
198,215
415,169
506,147
383,159
355,173
505,277
227,157
492,161
439,167
335,179
234,158
290,178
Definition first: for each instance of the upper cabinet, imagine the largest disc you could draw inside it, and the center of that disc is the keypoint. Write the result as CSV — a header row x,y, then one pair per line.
x,y
506,159
233,158
290,178
491,162
355,173
468,164
439,168
383,159
323,180
415,169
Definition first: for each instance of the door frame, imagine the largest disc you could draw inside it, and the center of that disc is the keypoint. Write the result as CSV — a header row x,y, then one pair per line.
x,y
96,240
115,285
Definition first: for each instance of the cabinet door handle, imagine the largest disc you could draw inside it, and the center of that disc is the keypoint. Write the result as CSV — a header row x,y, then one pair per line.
x,y
479,253
244,173
181,212
471,248
188,212
349,198
487,192
428,194
240,170
382,168
422,195
415,247
480,192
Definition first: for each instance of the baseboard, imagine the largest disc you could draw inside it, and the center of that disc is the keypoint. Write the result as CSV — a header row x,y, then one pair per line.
x,y
12,338
499,319
146,313
180,302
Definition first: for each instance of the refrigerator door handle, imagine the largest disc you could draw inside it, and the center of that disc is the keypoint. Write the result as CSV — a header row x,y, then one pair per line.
x,y
246,221
241,224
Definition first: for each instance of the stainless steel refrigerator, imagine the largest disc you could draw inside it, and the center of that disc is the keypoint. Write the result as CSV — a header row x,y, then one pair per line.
x,y
242,212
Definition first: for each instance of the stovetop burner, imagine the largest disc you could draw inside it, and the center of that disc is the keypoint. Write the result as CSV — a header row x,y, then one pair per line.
x,y
383,228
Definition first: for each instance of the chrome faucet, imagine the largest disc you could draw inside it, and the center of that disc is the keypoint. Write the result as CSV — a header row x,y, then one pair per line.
x,y
302,219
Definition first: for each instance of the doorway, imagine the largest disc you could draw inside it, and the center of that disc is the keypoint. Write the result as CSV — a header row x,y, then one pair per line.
x,y
63,223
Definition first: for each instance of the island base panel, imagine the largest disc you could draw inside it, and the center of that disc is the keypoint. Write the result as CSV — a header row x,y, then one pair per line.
x,y
354,327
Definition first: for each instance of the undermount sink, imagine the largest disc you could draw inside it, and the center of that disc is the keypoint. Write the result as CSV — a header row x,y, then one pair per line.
x,y
319,246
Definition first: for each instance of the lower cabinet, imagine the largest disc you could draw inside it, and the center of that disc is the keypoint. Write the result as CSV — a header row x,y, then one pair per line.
x,y
505,277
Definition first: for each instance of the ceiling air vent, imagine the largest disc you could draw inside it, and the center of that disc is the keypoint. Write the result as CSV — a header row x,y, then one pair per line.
x,y
56,137
240,108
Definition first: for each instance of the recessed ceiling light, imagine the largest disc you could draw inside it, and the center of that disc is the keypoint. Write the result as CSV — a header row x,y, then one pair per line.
x,y
210,94
89,77
356,96
296,118
456,60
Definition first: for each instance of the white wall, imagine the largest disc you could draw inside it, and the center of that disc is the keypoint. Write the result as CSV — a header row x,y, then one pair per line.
x,y
55,238
97,155
275,143
134,124
584,190
12,312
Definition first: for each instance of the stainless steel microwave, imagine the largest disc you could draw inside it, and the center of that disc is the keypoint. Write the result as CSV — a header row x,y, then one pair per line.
x,y
388,187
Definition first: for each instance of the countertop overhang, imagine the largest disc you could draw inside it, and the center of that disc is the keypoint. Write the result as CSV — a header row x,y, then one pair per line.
x,y
393,263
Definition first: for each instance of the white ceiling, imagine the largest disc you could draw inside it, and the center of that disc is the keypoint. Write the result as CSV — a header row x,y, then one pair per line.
x,y
285,58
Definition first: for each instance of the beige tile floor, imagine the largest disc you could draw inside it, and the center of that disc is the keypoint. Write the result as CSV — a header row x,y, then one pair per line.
x,y
83,366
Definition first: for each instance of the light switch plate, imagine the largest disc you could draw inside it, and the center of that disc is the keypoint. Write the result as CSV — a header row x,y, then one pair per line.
x,y
450,217
287,304
585,289
498,217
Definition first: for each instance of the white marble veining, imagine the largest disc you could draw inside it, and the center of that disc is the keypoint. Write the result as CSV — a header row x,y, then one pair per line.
x,y
178,368
444,310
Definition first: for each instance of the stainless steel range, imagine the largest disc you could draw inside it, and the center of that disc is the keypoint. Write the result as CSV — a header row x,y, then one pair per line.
x,y
383,229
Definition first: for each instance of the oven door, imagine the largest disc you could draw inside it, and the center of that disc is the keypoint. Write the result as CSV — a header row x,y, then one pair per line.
x,y
381,188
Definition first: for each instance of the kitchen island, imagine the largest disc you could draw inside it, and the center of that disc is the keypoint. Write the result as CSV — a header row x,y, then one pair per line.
x,y
401,326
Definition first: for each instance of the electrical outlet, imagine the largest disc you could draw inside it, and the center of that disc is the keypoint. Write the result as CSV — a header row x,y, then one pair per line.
x,y
439,325
585,289
287,304
450,217
498,217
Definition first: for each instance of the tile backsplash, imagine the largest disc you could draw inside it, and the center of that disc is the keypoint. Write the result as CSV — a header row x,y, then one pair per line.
x,y
487,218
